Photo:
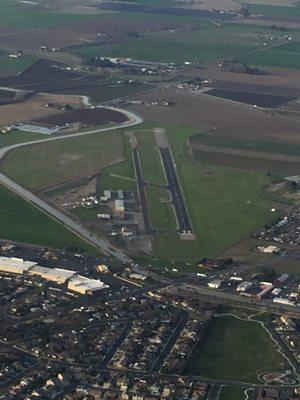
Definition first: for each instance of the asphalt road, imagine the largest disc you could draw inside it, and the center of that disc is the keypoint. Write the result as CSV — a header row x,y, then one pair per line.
x,y
141,188
72,225
175,189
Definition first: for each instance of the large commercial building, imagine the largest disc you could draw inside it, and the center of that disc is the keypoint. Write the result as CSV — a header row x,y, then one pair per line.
x,y
15,265
83,285
51,274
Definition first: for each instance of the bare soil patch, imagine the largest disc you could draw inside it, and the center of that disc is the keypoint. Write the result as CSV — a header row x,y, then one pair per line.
x,y
209,114
35,107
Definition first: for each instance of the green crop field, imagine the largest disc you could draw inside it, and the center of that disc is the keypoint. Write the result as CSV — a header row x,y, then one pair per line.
x,y
274,11
46,164
23,222
270,58
207,44
16,15
16,65
162,214
236,350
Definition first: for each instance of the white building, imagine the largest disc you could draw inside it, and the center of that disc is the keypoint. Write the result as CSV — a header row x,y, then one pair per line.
x,y
244,286
119,204
51,274
83,285
215,284
12,265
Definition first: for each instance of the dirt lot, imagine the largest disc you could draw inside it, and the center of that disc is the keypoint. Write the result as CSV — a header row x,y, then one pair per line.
x,y
96,116
209,114
34,107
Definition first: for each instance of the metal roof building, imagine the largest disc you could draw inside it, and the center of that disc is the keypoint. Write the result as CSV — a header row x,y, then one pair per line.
x,y
11,265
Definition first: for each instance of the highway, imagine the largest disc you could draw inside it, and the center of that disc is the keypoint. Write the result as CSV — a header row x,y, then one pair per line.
x,y
55,213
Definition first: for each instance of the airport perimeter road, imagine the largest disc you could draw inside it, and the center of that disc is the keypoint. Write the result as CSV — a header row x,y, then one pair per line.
x,y
72,225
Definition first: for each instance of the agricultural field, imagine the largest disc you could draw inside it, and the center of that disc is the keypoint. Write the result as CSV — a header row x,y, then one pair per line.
x,y
16,15
206,44
269,11
46,164
219,356
15,65
23,222
106,92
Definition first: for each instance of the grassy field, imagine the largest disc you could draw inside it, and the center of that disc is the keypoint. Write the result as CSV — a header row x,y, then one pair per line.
x,y
275,11
207,44
236,350
152,168
46,164
232,393
270,58
250,145
23,222
13,137
16,65
162,215
16,15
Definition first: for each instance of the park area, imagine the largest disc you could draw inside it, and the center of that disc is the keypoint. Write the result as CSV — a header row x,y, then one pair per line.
x,y
236,350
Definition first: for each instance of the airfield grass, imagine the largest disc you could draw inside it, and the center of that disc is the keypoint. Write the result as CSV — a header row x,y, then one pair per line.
x,y
249,145
232,393
225,204
46,164
23,222
151,164
161,214
236,350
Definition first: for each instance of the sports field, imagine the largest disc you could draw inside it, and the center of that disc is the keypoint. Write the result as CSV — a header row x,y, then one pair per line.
x,y
236,350
23,222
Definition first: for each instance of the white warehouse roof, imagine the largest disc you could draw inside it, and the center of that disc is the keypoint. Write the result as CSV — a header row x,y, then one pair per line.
x,y
52,274
82,285
15,265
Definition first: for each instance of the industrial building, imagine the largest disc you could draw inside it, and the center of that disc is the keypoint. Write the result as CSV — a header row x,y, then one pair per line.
x,y
51,274
244,286
83,285
15,265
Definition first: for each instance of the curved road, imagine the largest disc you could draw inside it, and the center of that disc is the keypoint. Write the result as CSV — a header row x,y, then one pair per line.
x,y
72,225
